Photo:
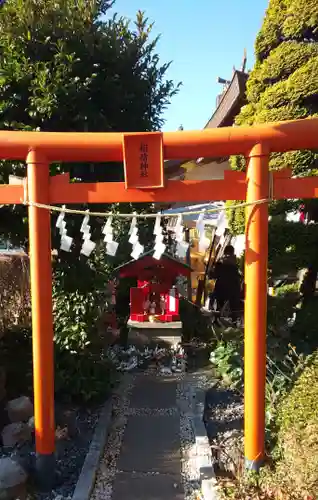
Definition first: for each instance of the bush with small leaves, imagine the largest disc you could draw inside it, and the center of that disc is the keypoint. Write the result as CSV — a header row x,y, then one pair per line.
x,y
283,85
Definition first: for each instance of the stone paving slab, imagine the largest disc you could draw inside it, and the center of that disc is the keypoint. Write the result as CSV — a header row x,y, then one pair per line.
x,y
147,487
149,464
151,444
154,392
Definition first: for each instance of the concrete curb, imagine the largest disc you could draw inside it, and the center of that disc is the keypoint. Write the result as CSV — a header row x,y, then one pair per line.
x,y
203,455
87,477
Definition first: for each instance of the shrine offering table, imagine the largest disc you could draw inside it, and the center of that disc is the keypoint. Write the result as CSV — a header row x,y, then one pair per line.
x,y
155,333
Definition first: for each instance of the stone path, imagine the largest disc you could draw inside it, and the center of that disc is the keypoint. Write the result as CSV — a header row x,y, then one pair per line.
x,y
149,466
143,457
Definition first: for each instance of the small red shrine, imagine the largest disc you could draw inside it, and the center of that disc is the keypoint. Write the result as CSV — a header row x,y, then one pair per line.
x,y
155,298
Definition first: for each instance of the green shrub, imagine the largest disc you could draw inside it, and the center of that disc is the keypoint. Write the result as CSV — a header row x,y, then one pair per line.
x,y
281,306
194,324
75,319
296,471
16,358
227,358
283,86
81,377
304,331
82,372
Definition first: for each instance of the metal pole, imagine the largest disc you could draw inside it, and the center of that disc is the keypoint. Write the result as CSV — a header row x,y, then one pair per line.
x,y
42,318
188,261
207,266
256,307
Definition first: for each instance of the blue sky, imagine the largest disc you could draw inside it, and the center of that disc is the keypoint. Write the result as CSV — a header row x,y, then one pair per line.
x,y
204,39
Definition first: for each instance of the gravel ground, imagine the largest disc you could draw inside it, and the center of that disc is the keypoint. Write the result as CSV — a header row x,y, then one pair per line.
x,y
189,473
223,418
108,465
71,453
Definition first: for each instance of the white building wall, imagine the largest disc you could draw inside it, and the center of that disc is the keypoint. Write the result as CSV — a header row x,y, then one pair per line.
x,y
210,171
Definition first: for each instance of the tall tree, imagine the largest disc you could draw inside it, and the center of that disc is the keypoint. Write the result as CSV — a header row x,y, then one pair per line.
x,y
283,85
66,65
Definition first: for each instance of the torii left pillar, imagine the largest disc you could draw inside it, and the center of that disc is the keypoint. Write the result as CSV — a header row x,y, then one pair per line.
x,y
42,317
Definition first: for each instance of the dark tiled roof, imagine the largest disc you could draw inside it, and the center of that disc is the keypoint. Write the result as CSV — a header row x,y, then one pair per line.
x,y
231,102
156,262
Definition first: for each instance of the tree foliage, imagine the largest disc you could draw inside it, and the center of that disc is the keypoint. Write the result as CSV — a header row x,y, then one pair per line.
x,y
67,65
283,85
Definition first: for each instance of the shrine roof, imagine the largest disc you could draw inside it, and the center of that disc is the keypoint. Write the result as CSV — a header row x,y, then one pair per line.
x,y
228,107
230,102
147,264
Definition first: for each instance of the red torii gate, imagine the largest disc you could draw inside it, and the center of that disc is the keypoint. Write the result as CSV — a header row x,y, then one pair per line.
x,y
143,155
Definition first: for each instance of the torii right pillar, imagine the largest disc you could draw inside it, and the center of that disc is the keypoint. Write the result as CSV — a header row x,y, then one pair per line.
x,y
256,258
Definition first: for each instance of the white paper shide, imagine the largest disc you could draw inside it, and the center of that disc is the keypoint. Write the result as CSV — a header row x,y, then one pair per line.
x,y
137,248
88,245
66,241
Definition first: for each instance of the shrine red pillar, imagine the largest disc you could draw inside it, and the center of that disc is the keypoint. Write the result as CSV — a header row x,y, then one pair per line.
x,y
255,307
42,318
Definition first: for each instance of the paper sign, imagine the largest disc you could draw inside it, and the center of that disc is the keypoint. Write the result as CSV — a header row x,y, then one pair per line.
x,y
143,160
200,224
180,235
172,300
178,227
204,243
182,248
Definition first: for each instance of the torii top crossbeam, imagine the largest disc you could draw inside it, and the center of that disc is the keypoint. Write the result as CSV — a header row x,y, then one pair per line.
x,y
101,147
